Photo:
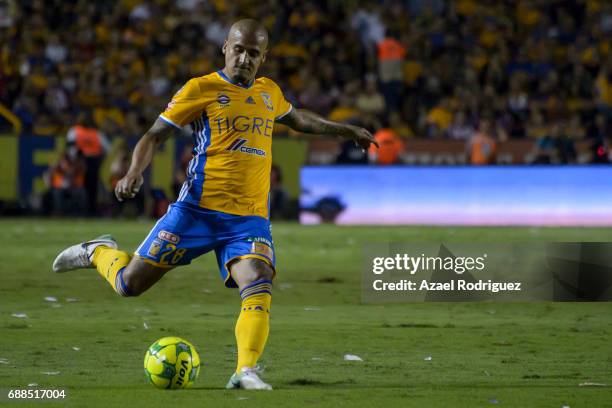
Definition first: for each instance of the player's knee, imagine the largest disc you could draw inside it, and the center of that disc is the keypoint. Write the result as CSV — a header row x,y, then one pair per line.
x,y
250,270
260,270
139,276
133,283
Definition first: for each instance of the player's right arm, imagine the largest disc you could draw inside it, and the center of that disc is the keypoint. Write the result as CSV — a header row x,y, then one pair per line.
x,y
184,107
130,184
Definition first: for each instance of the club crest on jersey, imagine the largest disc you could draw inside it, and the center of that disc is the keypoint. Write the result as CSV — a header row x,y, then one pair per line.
x,y
155,247
238,145
223,99
168,236
267,100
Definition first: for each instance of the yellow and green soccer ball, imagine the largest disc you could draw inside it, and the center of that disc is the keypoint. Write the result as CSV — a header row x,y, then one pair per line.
x,y
172,362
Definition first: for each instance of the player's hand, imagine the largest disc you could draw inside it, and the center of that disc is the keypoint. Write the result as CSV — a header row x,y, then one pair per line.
x,y
128,186
362,137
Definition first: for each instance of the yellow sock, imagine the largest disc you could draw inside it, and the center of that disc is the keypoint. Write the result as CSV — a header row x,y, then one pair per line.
x,y
253,323
110,262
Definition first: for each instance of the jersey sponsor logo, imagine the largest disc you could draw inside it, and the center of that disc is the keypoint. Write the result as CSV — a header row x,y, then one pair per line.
x,y
223,99
267,100
238,145
250,100
168,236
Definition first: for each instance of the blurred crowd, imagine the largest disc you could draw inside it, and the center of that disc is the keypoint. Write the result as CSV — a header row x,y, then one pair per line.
x,y
423,68
530,69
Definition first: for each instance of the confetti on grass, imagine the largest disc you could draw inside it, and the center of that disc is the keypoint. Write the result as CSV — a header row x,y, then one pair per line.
x,y
592,384
352,357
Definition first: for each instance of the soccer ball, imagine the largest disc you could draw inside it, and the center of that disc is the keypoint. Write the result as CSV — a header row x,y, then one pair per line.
x,y
172,362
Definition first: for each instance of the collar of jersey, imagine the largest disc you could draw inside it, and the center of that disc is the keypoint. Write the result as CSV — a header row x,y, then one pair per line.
x,y
222,75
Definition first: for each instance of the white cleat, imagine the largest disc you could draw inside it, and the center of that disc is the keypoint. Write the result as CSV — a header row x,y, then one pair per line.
x,y
247,379
79,256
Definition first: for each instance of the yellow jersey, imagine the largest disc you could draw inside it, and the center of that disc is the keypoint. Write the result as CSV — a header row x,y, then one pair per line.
x,y
232,128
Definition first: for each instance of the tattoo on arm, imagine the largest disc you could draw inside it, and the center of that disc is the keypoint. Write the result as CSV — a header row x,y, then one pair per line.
x,y
308,122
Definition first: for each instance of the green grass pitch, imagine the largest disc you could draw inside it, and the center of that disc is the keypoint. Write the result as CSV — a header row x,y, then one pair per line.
x,y
482,354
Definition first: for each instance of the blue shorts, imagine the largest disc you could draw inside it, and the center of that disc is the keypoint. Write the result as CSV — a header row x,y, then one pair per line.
x,y
187,231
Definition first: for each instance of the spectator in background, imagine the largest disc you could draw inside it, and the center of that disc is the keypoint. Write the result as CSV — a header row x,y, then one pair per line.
x,y
367,21
351,154
599,134
56,100
574,129
603,85
345,110
439,119
600,129
600,151
279,198
370,101
391,55
312,97
390,150
26,109
556,147
397,123
460,128
536,127
93,144
481,148
66,179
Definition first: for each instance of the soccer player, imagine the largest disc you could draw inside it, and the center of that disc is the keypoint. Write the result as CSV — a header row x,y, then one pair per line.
x,y
223,204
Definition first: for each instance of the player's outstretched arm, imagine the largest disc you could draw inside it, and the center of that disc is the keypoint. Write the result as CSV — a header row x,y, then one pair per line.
x,y
130,184
305,121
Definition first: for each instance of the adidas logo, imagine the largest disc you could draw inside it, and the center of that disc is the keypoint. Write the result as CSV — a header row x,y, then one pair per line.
x,y
250,100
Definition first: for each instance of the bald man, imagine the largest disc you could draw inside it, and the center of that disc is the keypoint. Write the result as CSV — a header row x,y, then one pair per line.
x,y
223,204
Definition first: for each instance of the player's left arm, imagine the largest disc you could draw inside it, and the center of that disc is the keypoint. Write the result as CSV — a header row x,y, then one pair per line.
x,y
305,121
